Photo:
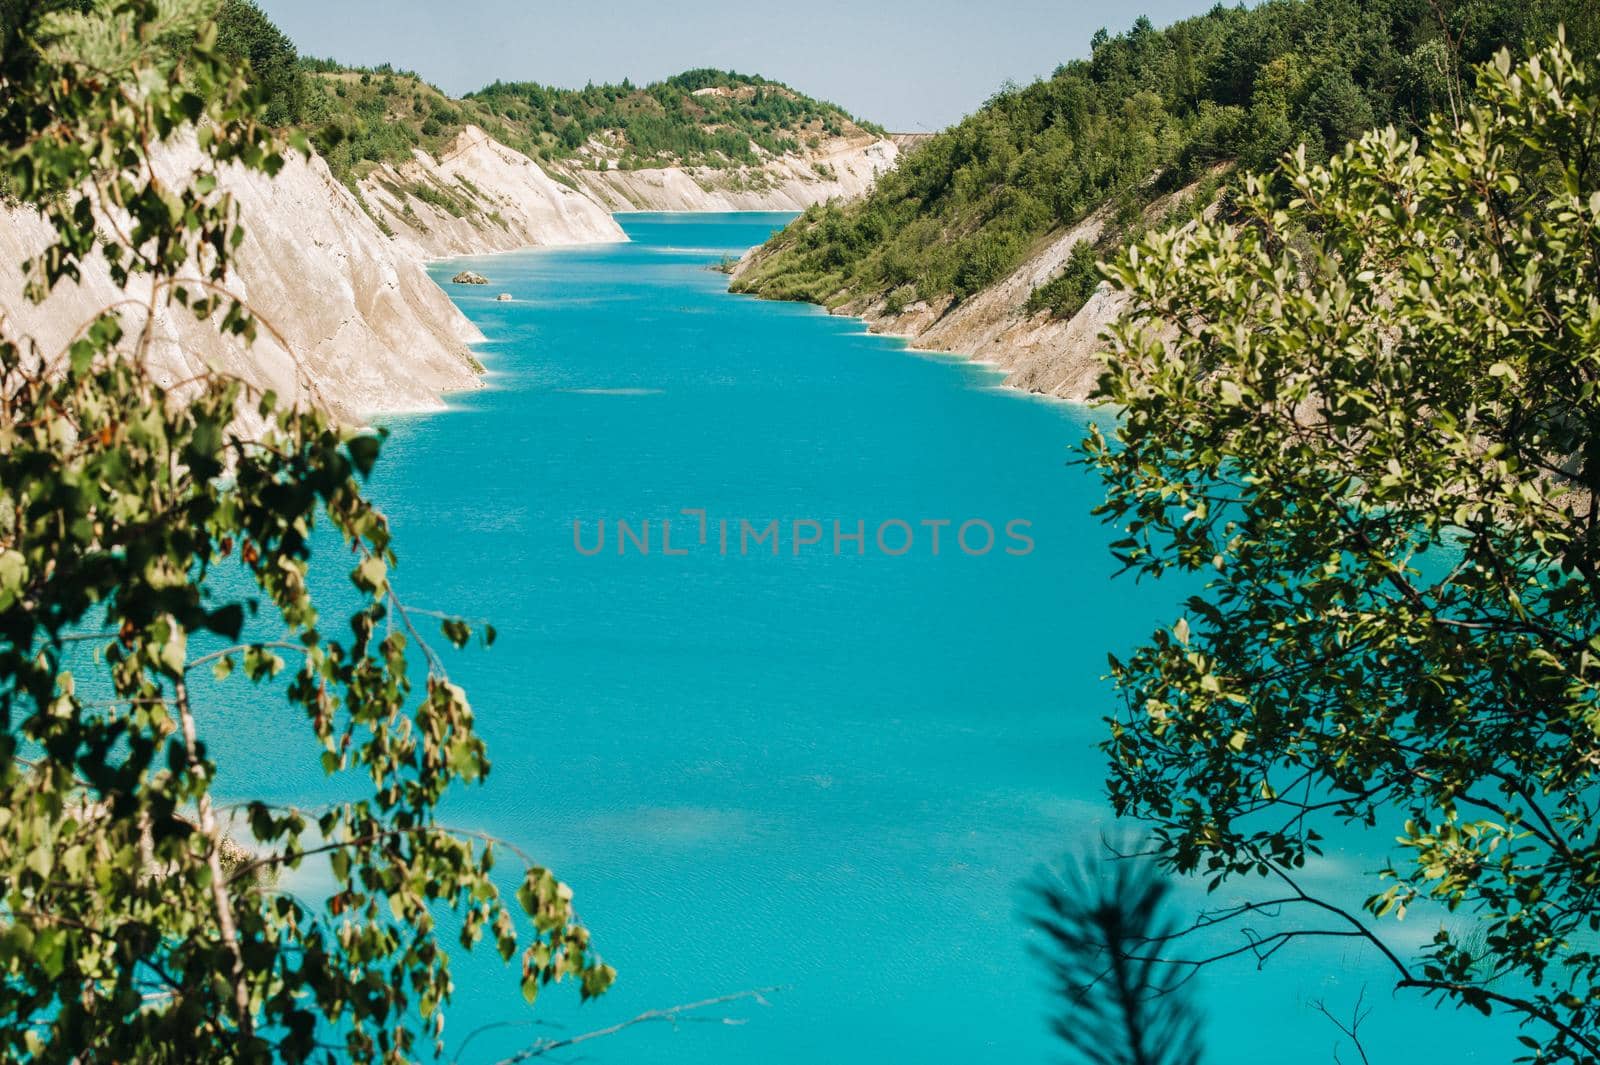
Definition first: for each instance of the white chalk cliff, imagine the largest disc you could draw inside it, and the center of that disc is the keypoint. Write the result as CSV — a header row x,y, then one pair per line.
x,y
1040,352
837,168
369,328
339,276
481,196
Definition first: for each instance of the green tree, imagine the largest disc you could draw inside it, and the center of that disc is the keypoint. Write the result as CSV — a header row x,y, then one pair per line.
x,y
1147,113
1336,108
1366,408
246,35
144,532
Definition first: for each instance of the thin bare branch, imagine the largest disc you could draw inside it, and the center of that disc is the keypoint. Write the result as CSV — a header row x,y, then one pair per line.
x,y
670,1015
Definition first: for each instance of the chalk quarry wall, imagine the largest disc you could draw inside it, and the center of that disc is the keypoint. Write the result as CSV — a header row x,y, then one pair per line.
x,y
356,321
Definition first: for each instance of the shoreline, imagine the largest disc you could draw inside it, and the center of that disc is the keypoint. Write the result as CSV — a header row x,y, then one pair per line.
x,y
972,359
983,362
690,210
431,260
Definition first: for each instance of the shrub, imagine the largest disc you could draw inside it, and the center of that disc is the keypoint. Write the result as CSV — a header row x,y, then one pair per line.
x,y
899,299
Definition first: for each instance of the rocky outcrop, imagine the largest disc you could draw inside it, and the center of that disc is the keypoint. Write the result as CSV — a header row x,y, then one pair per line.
x,y
351,319
841,167
479,197
468,277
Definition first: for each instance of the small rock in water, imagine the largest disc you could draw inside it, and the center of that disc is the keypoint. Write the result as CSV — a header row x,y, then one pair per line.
x,y
504,297
467,277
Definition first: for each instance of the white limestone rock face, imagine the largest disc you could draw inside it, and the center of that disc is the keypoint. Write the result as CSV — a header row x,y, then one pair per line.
x,y
369,330
839,168
352,320
481,197
1040,352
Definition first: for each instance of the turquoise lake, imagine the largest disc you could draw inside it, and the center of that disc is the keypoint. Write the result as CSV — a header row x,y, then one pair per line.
x,y
829,773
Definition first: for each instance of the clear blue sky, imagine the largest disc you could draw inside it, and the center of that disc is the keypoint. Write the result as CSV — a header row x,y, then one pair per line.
x,y
909,64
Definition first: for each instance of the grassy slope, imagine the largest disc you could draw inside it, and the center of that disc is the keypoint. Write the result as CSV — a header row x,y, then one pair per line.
x,y
1150,111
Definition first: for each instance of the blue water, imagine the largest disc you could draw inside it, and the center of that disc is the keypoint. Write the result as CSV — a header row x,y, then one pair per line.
x,y
829,773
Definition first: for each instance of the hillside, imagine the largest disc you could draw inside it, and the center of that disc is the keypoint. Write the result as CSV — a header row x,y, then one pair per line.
x,y
356,316
1019,200
418,159
400,172
704,139
702,118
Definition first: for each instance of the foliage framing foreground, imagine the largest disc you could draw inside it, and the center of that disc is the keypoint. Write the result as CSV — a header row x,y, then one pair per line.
x,y
1365,405
129,515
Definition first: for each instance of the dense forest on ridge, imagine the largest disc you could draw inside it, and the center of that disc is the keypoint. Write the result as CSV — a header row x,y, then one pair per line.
x,y
361,116
1150,111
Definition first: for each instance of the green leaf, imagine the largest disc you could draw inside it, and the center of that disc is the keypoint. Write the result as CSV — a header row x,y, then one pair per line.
x,y
370,575
227,621
363,452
